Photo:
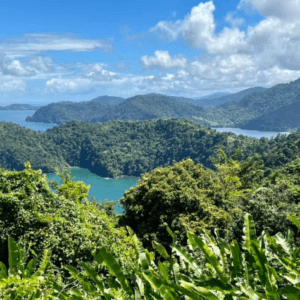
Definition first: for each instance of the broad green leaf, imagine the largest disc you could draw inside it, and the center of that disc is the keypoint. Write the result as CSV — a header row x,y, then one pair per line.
x,y
187,257
249,231
295,220
13,256
291,292
211,258
3,271
162,251
250,292
236,258
112,264
201,291
96,278
261,261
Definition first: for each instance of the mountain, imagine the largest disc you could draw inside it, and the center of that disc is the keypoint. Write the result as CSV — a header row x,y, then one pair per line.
x,y
213,96
20,107
232,99
224,99
61,112
285,118
131,148
151,106
141,107
108,100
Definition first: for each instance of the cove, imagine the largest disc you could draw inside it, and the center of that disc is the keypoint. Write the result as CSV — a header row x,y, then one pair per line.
x,y
104,189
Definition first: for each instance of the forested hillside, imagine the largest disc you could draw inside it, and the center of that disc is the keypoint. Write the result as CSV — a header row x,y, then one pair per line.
x,y
232,233
255,108
142,107
131,148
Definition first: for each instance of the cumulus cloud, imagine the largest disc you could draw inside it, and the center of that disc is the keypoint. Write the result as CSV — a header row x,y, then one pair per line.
x,y
8,85
235,22
96,72
162,59
198,29
285,10
14,67
40,42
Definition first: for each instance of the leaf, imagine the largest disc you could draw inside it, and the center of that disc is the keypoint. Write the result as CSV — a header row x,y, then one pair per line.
x,y
249,232
13,256
96,278
291,292
112,264
261,261
211,258
3,271
161,250
295,220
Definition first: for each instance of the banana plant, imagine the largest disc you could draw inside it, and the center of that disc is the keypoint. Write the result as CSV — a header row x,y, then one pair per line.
x,y
22,280
229,273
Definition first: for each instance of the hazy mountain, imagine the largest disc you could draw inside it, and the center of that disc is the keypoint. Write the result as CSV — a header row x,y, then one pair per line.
x,y
233,99
108,100
284,118
20,107
213,96
141,107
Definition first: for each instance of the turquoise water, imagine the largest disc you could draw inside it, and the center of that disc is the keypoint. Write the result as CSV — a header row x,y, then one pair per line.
x,y
103,189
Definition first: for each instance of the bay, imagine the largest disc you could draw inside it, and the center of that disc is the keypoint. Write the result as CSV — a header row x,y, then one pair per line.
x,y
19,116
103,189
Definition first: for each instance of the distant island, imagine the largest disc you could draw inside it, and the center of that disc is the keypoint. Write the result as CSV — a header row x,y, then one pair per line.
x,y
258,108
20,107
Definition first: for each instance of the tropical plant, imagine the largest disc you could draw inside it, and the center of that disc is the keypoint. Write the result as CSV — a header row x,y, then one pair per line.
x,y
25,279
266,268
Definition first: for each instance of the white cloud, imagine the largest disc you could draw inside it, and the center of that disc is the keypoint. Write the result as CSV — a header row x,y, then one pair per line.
x,y
282,9
67,85
96,72
235,22
198,29
162,59
14,67
8,85
40,42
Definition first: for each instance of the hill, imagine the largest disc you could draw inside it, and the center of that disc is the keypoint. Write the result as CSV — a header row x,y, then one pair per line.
x,y
131,148
61,112
285,118
20,107
108,100
141,107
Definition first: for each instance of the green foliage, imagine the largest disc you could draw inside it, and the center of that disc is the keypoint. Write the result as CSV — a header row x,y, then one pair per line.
x,y
268,268
187,197
70,227
132,148
25,279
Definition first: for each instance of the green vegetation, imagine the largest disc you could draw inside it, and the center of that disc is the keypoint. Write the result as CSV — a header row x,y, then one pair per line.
x,y
66,223
60,246
273,109
132,148
142,107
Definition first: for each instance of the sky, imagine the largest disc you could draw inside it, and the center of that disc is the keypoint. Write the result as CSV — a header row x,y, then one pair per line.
x,y
61,50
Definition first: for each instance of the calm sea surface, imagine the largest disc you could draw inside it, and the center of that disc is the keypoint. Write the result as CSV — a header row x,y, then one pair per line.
x,y
102,188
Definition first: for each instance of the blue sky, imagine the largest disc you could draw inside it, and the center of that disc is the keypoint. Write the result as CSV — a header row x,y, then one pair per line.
x,y
54,51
